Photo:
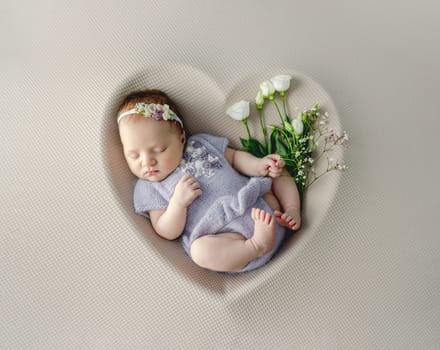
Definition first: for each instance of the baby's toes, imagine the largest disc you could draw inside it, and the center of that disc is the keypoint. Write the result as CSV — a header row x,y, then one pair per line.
x,y
290,224
277,213
286,217
258,214
262,216
297,225
268,219
289,221
254,213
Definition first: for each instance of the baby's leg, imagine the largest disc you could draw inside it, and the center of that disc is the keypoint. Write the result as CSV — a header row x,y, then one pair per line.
x,y
229,252
272,201
286,192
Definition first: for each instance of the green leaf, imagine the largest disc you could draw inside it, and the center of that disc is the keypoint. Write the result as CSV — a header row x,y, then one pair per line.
x,y
288,126
274,127
245,144
254,146
281,148
257,148
272,141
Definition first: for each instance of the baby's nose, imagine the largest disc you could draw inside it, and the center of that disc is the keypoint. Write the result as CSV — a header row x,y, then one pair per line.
x,y
148,161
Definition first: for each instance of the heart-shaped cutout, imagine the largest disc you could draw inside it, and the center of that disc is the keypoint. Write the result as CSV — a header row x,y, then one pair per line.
x,y
203,102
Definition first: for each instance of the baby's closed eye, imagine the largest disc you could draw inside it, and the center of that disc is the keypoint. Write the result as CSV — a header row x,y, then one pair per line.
x,y
133,155
159,149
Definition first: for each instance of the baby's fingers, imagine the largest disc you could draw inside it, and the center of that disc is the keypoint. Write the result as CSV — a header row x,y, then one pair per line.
x,y
194,186
189,179
197,193
275,172
185,178
280,163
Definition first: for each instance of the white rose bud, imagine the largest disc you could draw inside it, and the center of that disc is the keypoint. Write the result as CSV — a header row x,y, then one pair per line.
x,y
239,110
281,82
298,126
259,100
267,89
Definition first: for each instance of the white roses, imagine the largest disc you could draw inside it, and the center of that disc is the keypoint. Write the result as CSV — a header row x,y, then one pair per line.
x,y
239,110
281,83
267,89
259,100
298,125
295,140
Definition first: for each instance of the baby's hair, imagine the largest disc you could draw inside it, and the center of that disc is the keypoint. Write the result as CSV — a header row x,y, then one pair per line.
x,y
147,96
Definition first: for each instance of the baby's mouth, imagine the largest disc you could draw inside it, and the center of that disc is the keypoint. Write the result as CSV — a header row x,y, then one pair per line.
x,y
151,172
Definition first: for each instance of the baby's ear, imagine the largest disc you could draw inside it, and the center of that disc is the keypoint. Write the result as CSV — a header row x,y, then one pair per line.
x,y
183,137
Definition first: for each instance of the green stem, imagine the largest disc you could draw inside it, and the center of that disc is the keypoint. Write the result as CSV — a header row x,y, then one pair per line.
x,y
283,98
278,109
263,127
245,122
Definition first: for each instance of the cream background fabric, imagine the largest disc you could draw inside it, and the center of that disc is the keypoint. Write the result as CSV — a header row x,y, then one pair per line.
x,y
79,271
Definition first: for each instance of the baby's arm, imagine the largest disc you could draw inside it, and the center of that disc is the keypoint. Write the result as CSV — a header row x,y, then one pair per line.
x,y
271,165
169,223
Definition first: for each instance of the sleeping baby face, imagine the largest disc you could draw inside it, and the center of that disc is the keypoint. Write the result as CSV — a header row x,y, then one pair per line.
x,y
153,149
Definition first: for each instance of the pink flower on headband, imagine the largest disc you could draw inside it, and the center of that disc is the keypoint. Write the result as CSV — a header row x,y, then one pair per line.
x,y
153,110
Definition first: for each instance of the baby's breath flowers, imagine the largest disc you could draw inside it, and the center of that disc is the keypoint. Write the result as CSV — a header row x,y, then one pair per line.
x,y
331,140
302,142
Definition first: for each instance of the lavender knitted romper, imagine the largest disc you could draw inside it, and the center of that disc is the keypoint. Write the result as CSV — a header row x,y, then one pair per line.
x,y
227,196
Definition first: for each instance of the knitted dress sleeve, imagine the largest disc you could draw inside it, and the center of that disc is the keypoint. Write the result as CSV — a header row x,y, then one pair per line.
x,y
146,196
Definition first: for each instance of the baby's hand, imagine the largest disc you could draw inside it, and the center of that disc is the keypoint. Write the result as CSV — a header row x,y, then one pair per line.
x,y
186,191
272,165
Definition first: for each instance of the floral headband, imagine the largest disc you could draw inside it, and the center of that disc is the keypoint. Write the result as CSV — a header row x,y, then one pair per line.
x,y
152,110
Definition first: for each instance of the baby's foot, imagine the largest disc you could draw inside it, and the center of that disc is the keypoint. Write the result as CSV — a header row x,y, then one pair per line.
x,y
291,218
263,239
